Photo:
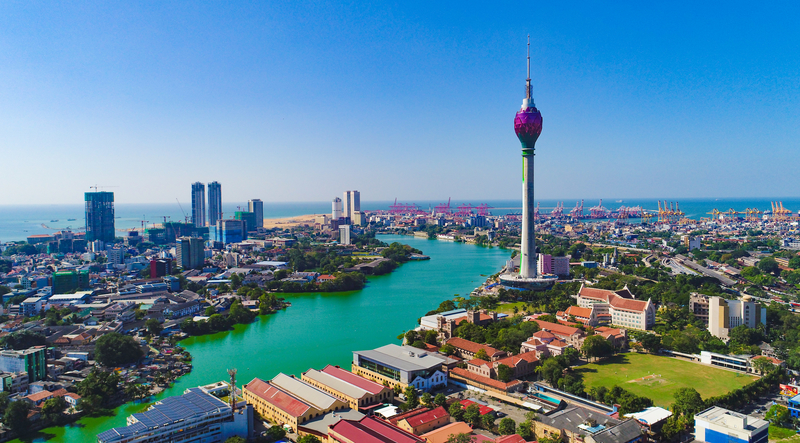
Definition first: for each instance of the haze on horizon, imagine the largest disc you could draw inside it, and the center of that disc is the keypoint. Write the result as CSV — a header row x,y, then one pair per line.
x,y
414,100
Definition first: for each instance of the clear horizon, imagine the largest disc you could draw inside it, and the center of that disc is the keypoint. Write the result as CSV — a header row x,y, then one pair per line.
x,y
301,101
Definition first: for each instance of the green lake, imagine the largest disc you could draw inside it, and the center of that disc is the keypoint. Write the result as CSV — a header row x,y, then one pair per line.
x,y
320,328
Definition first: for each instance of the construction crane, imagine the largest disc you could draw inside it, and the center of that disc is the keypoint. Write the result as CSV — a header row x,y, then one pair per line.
x,y
101,186
144,223
185,217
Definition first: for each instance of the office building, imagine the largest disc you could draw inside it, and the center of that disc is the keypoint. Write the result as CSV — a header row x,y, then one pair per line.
x,y
230,231
528,127
199,204
402,365
718,425
32,360
256,206
115,256
336,210
352,203
66,281
724,315
548,264
214,203
249,219
194,417
190,252
100,216
344,234
160,268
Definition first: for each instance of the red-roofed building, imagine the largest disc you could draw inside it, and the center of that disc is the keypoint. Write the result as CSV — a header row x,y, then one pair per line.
x,y
514,438
623,308
282,406
479,381
617,337
585,316
426,421
369,430
467,349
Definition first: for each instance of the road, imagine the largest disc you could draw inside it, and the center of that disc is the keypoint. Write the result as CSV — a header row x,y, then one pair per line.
x,y
676,267
705,271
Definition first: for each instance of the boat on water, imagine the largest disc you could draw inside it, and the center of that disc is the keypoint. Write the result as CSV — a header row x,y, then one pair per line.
x,y
53,221
71,219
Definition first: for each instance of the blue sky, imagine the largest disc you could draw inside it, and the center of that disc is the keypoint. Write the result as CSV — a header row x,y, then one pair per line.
x,y
415,100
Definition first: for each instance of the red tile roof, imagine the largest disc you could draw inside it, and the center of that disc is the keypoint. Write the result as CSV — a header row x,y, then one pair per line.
x,y
472,347
622,299
277,397
478,362
408,414
579,312
427,417
514,438
483,409
372,430
512,361
497,384
557,329
347,376
543,335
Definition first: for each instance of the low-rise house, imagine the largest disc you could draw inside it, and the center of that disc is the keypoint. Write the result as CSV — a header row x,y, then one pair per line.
x,y
442,434
425,421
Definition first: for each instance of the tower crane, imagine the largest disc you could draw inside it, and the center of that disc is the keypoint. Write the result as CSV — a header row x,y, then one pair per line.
x,y
185,217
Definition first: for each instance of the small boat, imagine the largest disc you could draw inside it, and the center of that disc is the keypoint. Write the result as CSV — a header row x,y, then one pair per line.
x,y
70,219
53,221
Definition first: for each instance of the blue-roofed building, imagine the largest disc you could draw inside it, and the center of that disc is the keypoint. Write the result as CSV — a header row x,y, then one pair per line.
x,y
194,417
794,406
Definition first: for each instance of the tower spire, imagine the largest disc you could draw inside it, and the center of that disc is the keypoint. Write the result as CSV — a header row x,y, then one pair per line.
x,y
528,102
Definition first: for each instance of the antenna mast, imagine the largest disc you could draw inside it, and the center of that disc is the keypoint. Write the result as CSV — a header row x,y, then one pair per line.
x,y
232,373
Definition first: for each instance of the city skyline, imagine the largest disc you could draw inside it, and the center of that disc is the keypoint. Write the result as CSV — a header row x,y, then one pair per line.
x,y
635,108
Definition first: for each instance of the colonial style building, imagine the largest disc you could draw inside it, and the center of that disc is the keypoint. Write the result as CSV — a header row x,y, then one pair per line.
x,y
619,308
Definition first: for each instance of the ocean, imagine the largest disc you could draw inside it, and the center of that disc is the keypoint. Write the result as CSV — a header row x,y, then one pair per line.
x,y
17,222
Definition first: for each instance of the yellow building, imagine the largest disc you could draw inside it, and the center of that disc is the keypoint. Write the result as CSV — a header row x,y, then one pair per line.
x,y
287,400
359,392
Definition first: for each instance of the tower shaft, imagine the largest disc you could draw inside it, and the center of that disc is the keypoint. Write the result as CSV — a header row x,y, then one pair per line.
x,y
527,263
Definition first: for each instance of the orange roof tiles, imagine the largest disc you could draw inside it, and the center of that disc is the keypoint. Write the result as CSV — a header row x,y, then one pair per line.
x,y
497,384
558,329
472,347
579,312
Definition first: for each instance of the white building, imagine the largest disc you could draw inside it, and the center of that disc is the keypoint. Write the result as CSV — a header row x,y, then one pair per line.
x,y
721,425
115,256
336,208
352,203
344,234
402,365
724,315
619,308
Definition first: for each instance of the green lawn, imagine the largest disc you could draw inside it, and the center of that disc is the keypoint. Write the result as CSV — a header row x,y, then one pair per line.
x,y
508,308
626,370
778,433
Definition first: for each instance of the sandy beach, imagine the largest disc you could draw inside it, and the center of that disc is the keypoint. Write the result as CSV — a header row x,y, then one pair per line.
x,y
289,222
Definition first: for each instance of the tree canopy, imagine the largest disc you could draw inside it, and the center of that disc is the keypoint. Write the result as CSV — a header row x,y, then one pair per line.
x,y
115,349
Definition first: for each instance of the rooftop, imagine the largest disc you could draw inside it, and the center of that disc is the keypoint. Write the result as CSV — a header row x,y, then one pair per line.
x,y
304,391
405,358
730,419
353,379
193,404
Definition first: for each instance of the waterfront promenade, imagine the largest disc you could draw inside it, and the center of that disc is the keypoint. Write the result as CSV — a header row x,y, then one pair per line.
x,y
322,329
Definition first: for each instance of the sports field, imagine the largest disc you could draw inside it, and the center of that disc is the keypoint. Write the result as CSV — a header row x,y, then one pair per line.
x,y
658,377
